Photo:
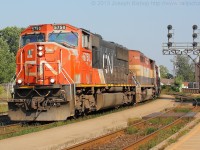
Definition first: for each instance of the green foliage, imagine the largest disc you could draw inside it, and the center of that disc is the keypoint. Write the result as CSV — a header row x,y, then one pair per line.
x,y
7,61
11,36
163,71
185,68
178,81
1,89
9,43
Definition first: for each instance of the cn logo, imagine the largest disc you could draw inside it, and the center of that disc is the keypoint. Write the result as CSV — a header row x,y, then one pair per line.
x,y
108,63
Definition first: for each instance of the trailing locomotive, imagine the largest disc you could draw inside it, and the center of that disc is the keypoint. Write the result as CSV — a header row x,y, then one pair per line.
x,y
64,71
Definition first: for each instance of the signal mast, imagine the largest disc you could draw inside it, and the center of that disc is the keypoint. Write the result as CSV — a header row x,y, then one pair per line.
x,y
184,48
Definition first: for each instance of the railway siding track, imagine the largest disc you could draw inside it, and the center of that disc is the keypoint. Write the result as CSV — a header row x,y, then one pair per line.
x,y
149,137
138,141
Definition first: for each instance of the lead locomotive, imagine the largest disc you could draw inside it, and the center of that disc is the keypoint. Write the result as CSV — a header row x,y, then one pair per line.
x,y
64,71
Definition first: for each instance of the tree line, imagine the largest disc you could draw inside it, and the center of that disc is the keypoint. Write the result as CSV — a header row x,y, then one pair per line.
x,y
184,69
9,44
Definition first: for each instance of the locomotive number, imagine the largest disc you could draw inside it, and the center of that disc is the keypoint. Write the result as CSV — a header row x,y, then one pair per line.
x,y
36,28
59,27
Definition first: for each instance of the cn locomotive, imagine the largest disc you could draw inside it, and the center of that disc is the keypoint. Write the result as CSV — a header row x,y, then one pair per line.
x,y
64,71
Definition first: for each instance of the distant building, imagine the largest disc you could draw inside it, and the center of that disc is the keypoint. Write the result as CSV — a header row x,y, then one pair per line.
x,y
166,81
171,82
193,85
185,84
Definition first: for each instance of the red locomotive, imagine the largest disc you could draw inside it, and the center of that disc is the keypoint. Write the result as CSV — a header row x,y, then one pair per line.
x,y
65,71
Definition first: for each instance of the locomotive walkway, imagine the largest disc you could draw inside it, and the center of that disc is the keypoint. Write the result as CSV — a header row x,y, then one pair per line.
x,y
68,135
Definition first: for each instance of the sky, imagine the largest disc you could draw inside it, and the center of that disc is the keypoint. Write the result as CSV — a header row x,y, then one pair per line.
x,y
135,24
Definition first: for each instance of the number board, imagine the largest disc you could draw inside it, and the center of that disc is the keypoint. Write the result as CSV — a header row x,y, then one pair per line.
x,y
36,28
59,27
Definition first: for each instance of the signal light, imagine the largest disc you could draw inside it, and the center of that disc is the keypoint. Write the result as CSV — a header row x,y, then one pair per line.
x,y
194,44
169,27
169,44
194,27
169,35
194,35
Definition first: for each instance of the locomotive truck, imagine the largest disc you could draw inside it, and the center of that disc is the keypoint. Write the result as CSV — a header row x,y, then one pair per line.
x,y
64,71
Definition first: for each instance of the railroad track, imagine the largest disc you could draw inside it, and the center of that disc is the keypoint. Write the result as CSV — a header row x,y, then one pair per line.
x,y
97,142
149,137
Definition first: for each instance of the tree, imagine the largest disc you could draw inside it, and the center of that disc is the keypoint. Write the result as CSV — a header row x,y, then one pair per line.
x,y
185,68
163,71
11,36
177,83
169,76
7,62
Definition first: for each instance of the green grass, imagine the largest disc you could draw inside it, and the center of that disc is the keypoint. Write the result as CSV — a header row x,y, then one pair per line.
x,y
132,121
163,121
3,108
162,136
150,130
131,130
184,110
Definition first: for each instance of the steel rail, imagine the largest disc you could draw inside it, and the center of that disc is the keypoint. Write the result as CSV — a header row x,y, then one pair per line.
x,y
108,137
147,138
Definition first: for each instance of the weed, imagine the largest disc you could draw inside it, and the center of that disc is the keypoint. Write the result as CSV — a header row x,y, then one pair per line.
x,y
132,121
131,130
173,140
184,110
150,130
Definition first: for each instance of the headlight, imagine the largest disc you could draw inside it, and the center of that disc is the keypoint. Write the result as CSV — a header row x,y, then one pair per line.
x,y
52,80
40,53
19,81
40,48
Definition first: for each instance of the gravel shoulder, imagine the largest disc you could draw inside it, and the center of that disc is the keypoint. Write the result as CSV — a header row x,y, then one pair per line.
x,y
68,135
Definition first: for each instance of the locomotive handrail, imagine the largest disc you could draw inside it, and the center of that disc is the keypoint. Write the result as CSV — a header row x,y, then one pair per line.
x,y
20,65
12,81
61,68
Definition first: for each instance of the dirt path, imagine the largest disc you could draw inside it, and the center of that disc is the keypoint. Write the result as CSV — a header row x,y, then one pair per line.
x,y
64,136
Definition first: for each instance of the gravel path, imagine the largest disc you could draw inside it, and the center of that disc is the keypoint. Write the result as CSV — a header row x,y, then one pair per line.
x,y
65,136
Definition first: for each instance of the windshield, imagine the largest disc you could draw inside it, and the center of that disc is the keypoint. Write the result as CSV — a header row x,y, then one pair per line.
x,y
68,38
30,38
